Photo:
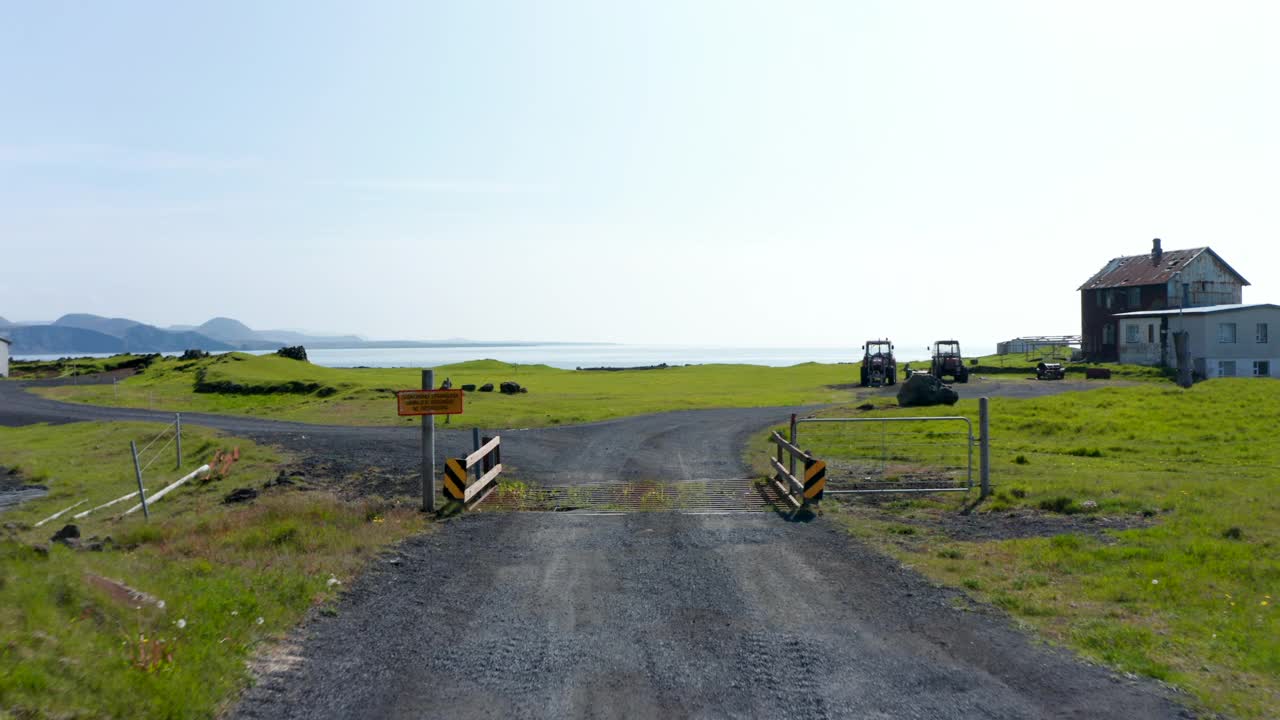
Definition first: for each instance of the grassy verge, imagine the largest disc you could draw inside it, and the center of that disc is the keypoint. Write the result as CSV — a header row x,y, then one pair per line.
x,y
1159,526
73,643
271,386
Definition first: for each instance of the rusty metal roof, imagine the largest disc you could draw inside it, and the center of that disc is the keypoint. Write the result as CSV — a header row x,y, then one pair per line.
x,y
1135,270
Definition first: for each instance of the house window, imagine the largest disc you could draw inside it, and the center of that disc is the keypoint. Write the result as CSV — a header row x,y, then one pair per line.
x,y
1108,334
1131,331
1111,298
1151,332
1262,368
1097,298
1226,368
1262,332
1227,333
1134,298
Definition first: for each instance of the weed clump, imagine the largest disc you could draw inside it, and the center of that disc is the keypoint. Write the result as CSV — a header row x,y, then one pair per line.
x,y
1233,533
1061,504
1085,452
1021,460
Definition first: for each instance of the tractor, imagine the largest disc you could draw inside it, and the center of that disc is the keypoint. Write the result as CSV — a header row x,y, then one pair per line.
x,y
878,365
948,361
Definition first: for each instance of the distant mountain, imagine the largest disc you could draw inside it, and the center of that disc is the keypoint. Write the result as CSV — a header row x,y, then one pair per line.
x,y
85,333
50,339
236,332
145,338
5,323
291,337
227,330
109,326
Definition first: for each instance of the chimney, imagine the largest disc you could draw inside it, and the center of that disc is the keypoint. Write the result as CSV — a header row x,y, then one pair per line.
x,y
1156,252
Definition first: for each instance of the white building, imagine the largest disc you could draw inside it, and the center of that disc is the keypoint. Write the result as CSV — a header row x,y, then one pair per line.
x,y
1225,340
4,356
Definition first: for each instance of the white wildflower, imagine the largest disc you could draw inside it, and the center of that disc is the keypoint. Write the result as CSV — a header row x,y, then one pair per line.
x,y
1155,582
333,581
235,612
182,623
160,604
259,621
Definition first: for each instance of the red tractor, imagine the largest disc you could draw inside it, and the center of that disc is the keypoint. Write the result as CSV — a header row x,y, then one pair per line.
x,y
948,361
878,365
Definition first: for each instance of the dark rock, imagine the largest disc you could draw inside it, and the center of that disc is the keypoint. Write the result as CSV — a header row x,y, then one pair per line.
x,y
66,534
866,406
240,495
281,480
469,388
41,550
487,387
194,354
921,390
509,388
293,352
94,544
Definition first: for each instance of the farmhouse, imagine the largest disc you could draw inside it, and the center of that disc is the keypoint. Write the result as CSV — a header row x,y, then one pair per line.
x,y
1159,280
4,356
1224,340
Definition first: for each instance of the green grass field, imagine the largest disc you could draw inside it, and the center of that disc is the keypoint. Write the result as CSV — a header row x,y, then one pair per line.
x,y
270,386
230,577
1186,595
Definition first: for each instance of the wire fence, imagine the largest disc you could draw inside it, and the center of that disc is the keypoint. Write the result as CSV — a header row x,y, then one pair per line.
x,y
889,455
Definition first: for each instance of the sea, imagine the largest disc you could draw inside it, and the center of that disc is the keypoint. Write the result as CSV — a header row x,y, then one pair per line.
x,y
568,356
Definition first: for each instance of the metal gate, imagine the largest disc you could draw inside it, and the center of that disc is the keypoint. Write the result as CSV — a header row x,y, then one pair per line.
x,y
891,454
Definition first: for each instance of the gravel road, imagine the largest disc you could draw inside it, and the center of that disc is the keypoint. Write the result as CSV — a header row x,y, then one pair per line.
x,y
565,615
685,445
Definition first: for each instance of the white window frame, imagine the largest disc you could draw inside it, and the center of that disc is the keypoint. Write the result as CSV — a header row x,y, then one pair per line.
x,y
1224,365
1223,332
1257,366
1132,333
1260,334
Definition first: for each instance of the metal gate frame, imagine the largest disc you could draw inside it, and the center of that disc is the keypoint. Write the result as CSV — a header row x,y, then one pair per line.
x,y
795,432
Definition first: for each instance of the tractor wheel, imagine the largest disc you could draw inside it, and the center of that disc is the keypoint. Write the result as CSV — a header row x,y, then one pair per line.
x,y
891,378
863,380
962,377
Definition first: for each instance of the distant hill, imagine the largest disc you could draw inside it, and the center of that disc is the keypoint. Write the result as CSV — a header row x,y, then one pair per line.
x,y
5,323
235,332
51,339
109,326
227,330
145,338
291,337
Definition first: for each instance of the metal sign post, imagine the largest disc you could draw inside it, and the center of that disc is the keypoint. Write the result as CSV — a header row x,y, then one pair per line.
x,y
428,449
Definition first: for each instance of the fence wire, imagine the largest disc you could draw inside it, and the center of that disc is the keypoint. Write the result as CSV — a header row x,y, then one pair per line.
x,y
877,456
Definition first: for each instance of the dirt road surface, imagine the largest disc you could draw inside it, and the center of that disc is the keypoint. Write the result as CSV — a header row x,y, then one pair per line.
x,y
566,615
654,614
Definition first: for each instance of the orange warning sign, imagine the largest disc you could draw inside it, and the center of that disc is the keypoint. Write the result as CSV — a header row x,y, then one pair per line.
x,y
429,402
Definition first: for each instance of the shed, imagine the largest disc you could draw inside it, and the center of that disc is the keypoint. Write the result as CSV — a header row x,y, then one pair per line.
x,y
4,355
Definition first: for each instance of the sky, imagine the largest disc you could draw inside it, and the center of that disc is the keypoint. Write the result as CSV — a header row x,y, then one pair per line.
x,y
709,173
